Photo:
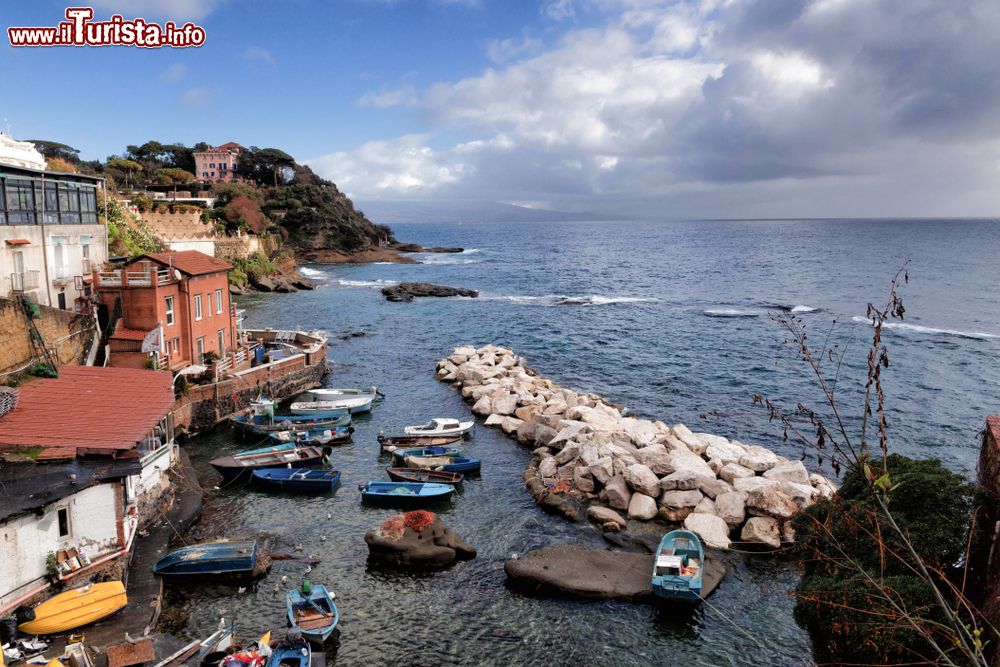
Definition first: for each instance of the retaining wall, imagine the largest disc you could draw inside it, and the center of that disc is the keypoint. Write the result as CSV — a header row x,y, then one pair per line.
x,y
67,336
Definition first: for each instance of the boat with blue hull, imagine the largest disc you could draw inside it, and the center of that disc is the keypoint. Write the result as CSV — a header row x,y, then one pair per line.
x,y
678,567
239,467
424,475
461,464
215,559
340,435
404,494
263,424
356,401
290,653
400,454
296,480
312,612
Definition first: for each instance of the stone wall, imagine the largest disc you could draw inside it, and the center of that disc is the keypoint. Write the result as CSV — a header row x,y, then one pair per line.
x,y
986,553
206,405
67,336
187,225
232,248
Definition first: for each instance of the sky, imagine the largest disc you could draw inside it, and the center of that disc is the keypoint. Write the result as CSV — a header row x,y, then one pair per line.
x,y
652,108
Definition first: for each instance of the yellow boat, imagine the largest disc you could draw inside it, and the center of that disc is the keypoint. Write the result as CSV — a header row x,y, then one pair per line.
x,y
76,608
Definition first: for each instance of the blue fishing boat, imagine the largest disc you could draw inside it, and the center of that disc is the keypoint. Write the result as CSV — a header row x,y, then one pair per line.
x,y
290,652
264,424
400,454
312,612
218,558
678,566
297,480
462,464
403,494
316,436
239,466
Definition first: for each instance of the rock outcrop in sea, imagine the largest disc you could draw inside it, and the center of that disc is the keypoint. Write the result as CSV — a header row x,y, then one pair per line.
x,y
417,539
406,291
591,459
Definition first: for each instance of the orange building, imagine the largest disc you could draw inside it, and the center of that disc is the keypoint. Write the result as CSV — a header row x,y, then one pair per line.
x,y
217,164
171,305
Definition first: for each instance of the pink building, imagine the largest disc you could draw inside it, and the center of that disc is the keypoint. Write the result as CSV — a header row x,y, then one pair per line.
x,y
217,164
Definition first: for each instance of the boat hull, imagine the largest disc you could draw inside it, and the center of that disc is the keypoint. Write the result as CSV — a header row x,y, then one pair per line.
x,y
292,422
387,494
422,475
678,567
76,608
294,481
418,441
240,466
290,654
314,615
219,559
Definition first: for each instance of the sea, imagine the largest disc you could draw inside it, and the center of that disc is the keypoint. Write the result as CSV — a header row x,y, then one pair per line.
x,y
676,320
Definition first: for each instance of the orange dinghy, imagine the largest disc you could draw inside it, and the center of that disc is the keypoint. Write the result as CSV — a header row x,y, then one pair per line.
x,y
76,608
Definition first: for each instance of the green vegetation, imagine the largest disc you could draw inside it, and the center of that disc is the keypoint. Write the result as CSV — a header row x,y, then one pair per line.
x,y
43,370
254,267
127,235
847,544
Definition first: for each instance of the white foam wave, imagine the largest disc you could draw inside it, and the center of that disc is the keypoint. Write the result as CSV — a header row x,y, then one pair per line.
x,y
565,300
732,312
311,273
365,283
803,309
916,328
442,260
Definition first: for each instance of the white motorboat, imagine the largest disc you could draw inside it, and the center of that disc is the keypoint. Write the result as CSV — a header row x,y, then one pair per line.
x,y
441,426
323,400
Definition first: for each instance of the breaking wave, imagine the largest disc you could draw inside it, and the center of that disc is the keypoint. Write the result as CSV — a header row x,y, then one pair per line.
x,y
732,312
916,328
803,309
564,300
365,283
447,259
311,273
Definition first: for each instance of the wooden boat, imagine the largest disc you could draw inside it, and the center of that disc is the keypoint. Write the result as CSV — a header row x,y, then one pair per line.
x,y
354,401
442,426
219,641
678,566
423,475
402,454
75,608
217,558
262,424
290,653
340,435
390,442
298,480
463,464
314,614
239,466
404,494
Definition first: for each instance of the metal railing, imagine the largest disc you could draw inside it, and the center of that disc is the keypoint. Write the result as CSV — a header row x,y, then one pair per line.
x,y
23,281
120,278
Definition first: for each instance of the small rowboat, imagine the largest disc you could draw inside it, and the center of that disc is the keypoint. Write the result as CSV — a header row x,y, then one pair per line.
x,y
392,441
264,424
422,475
299,480
354,401
403,494
314,614
463,464
239,466
442,426
289,653
340,435
678,566
402,454
76,608
217,558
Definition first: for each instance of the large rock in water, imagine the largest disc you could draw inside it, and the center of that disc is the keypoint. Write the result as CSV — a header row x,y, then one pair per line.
x,y
711,529
406,291
417,538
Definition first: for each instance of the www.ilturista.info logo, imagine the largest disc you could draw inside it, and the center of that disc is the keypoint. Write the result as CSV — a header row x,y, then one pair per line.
x,y
80,30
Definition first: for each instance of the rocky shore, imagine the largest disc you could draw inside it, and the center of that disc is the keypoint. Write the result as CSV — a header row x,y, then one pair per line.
x,y
406,291
591,459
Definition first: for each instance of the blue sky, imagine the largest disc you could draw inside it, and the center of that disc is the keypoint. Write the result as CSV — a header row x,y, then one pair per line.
x,y
672,108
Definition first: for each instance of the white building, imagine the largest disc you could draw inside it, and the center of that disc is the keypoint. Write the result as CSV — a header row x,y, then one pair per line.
x,y
51,239
83,461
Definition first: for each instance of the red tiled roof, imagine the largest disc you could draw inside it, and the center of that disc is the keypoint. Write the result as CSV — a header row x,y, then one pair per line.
x,y
191,262
88,407
121,333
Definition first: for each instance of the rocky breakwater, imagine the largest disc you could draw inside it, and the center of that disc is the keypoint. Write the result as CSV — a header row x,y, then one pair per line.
x,y
590,458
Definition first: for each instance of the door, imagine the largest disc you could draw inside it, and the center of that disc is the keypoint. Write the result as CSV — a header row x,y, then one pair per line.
x,y
62,300
222,343
18,278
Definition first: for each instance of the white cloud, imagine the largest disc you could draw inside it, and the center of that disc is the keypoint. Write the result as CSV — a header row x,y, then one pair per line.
x,y
385,98
178,10
792,70
173,74
258,54
197,97
504,50
559,10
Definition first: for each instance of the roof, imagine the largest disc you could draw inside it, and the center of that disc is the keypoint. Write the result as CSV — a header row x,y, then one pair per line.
x,y
17,171
28,486
91,409
191,262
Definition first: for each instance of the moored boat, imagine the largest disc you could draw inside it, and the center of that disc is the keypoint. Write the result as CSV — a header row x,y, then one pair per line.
x,y
216,558
404,494
312,612
290,652
395,441
424,475
354,401
76,607
402,454
298,480
678,566
262,424
440,426
238,467
340,435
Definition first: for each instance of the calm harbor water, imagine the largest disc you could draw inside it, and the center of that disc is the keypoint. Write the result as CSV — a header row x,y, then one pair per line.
x,y
668,318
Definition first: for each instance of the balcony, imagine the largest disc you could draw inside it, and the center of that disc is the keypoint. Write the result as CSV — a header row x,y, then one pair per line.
x,y
123,278
24,281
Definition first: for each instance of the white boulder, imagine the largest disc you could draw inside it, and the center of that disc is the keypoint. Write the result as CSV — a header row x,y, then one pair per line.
x,y
758,458
617,492
731,508
642,507
642,479
711,529
791,471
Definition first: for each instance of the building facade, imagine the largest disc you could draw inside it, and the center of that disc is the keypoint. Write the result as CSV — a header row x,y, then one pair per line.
x,y
51,239
217,164
183,295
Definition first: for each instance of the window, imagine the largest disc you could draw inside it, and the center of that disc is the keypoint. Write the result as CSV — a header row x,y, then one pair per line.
x,y
175,344
51,204
218,302
200,347
205,174
197,306
59,264
211,165
20,202
170,311
222,342
88,205
63,514
69,204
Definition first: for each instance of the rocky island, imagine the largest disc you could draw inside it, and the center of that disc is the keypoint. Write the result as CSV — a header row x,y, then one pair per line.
x,y
406,291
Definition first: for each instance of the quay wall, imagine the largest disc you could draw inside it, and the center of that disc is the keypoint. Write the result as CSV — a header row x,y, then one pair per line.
x,y
67,336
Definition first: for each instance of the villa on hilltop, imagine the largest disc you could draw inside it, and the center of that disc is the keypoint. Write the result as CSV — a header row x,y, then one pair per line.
x,y
217,164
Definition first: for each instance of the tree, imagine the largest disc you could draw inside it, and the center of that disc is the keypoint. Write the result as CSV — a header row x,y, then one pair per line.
x,y
265,166
173,176
54,149
127,167
60,164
